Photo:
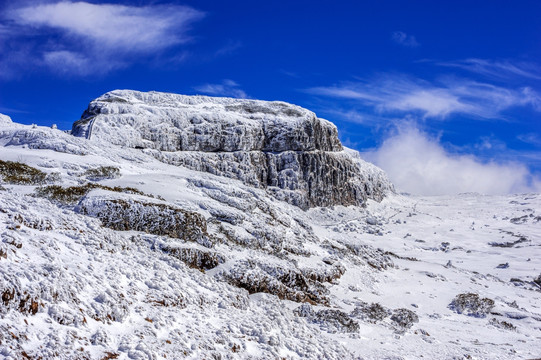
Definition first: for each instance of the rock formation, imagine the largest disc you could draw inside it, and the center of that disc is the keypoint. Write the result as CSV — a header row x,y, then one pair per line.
x,y
272,145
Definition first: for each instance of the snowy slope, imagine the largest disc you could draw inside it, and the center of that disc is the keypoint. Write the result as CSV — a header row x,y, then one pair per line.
x,y
162,261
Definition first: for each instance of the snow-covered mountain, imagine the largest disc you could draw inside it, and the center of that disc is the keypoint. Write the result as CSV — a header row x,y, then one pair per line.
x,y
272,145
170,226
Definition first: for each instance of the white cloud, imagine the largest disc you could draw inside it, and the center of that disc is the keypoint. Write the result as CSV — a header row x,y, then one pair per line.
x,y
433,102
497,69
229,48
530,138
115,27
403,95
71,62
226,88
420,165
84,38
404,39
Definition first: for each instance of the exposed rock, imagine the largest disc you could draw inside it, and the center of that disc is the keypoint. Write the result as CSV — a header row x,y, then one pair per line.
x,y
537,280
195,258
273,145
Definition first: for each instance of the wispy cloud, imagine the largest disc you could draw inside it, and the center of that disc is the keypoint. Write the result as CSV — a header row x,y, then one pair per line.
x,y
397,94
83,38
497,69
291,74
419,164
229,48
404,39
530,138
226,88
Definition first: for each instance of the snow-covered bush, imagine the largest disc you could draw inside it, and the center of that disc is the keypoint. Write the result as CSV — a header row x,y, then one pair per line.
x,y
472,305
371,313
403,319
18,173
102,173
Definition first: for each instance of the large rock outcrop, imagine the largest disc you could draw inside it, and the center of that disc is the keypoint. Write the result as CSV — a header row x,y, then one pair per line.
x,y
273,145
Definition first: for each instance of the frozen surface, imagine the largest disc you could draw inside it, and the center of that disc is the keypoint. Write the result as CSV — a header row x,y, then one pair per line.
x,y
255,276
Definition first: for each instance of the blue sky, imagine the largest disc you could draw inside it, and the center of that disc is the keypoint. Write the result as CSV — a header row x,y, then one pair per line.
x,y
444,95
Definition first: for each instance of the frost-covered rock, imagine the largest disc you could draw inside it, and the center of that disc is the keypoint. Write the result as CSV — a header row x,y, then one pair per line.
x,y
194,257
126,213
283,281
4,119
272,145
171,122
330,320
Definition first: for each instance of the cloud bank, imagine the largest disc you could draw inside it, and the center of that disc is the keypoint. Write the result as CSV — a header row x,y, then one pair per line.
x,y
419,164
83,38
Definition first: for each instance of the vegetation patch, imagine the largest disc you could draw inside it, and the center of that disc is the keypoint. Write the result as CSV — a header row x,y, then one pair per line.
x,y
502,324
472,305
102,173
330,320
72,194
371,313
404,319
23,302
21,174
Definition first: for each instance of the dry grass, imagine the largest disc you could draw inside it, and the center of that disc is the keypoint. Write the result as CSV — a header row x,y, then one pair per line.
x,y
21,174
72,194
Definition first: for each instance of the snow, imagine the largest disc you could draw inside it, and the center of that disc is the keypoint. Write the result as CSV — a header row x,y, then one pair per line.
x,y
73,288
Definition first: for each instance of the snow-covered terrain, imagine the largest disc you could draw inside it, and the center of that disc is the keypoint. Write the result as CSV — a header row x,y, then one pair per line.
x,y
109,251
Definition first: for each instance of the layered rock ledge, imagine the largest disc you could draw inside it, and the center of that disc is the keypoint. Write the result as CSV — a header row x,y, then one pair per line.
x,y
273,145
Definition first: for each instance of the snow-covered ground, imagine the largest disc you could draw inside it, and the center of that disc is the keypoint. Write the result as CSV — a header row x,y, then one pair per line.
x,y
260,278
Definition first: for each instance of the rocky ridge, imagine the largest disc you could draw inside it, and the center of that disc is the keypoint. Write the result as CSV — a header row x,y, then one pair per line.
x,y
270,145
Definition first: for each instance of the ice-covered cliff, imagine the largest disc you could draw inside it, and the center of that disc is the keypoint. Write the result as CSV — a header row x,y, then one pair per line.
x,y
276,146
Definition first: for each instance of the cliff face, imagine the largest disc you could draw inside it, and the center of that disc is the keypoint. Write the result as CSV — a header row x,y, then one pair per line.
x,y
272,145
